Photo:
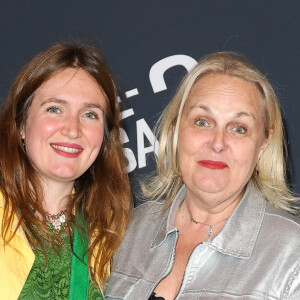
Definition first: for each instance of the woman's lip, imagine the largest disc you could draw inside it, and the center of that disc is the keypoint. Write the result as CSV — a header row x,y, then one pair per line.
x,y
68,145
211,164
67,149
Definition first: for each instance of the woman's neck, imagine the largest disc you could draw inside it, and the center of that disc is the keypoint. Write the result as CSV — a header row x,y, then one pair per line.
x,y
56,195
211,208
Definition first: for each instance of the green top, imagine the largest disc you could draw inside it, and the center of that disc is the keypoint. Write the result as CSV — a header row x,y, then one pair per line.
x,y
52,281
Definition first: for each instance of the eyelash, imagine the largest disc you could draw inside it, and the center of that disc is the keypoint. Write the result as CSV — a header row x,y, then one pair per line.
x,y
95,116
57,110
52,108
236,128
198,121
240,127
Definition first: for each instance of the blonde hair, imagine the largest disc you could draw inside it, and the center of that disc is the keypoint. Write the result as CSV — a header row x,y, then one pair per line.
x,y
271,180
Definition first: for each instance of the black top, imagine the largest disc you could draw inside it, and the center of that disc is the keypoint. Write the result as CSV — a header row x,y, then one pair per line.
x,y
153,297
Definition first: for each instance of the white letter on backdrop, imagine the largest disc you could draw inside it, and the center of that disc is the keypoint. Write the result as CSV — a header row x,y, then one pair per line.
x,y
142,129
157,71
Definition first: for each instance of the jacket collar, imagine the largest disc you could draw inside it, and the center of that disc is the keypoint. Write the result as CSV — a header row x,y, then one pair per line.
x,y
20,232
167,219
239,234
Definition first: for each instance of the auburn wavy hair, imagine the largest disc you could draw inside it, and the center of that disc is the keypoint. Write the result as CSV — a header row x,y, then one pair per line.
x,y
102,193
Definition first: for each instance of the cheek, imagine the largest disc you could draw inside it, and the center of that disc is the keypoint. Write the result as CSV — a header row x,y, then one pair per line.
x,y
246,154
40,129
190,142
94,136
183,148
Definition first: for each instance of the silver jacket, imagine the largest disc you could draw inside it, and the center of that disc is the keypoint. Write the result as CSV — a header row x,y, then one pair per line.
x,y
255,256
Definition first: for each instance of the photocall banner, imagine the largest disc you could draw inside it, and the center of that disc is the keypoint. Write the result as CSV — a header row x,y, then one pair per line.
x,y
151,45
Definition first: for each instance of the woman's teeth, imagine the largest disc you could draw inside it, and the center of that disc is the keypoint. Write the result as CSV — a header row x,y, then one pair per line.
x,y
66,149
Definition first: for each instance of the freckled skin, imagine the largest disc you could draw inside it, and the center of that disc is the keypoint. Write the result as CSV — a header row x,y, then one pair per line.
x,y
68,108
222,121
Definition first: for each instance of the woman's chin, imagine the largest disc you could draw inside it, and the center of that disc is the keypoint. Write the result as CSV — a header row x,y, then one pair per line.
x,y
63,175
212,185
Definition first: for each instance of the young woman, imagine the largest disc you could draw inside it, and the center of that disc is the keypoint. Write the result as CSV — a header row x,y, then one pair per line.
x,y
65,198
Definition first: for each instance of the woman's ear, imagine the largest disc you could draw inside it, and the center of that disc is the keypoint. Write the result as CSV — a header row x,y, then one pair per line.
x,y
265,145
22,132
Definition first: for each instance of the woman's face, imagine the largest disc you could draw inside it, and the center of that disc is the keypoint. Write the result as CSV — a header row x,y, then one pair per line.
x,y
221,137
64,129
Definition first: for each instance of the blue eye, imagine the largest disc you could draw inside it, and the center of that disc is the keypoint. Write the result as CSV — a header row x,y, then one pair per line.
x,y
91,115
240,129
54,109
201,123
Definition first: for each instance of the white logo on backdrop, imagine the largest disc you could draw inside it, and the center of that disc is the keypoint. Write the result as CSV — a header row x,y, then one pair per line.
x,y
156,76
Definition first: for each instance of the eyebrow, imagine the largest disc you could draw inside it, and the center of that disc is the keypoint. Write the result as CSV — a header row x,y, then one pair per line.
x,y
244,113
204,107
61,101
237,115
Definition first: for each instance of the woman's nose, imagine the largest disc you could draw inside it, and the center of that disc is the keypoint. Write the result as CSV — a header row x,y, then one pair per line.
x,y
218,141
71,127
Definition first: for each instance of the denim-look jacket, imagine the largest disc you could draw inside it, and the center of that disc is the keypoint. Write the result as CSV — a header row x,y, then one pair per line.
x,y
255,256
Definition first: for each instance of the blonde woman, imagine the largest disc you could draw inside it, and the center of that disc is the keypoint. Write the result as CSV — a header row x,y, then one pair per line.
x,y
221,226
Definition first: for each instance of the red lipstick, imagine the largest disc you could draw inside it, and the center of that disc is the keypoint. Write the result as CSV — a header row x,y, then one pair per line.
x,y
211,164
67,149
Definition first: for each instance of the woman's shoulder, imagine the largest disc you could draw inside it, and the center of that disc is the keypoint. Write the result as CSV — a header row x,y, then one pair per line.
x,y
285,227
1,211
148,207
147,213
1,201
282,217
146,217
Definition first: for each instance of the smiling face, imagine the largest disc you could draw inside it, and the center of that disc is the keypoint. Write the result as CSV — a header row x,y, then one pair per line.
x,y
64,128
221,137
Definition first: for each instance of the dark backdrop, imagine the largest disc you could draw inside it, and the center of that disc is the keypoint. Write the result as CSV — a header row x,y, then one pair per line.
x,y
170,35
